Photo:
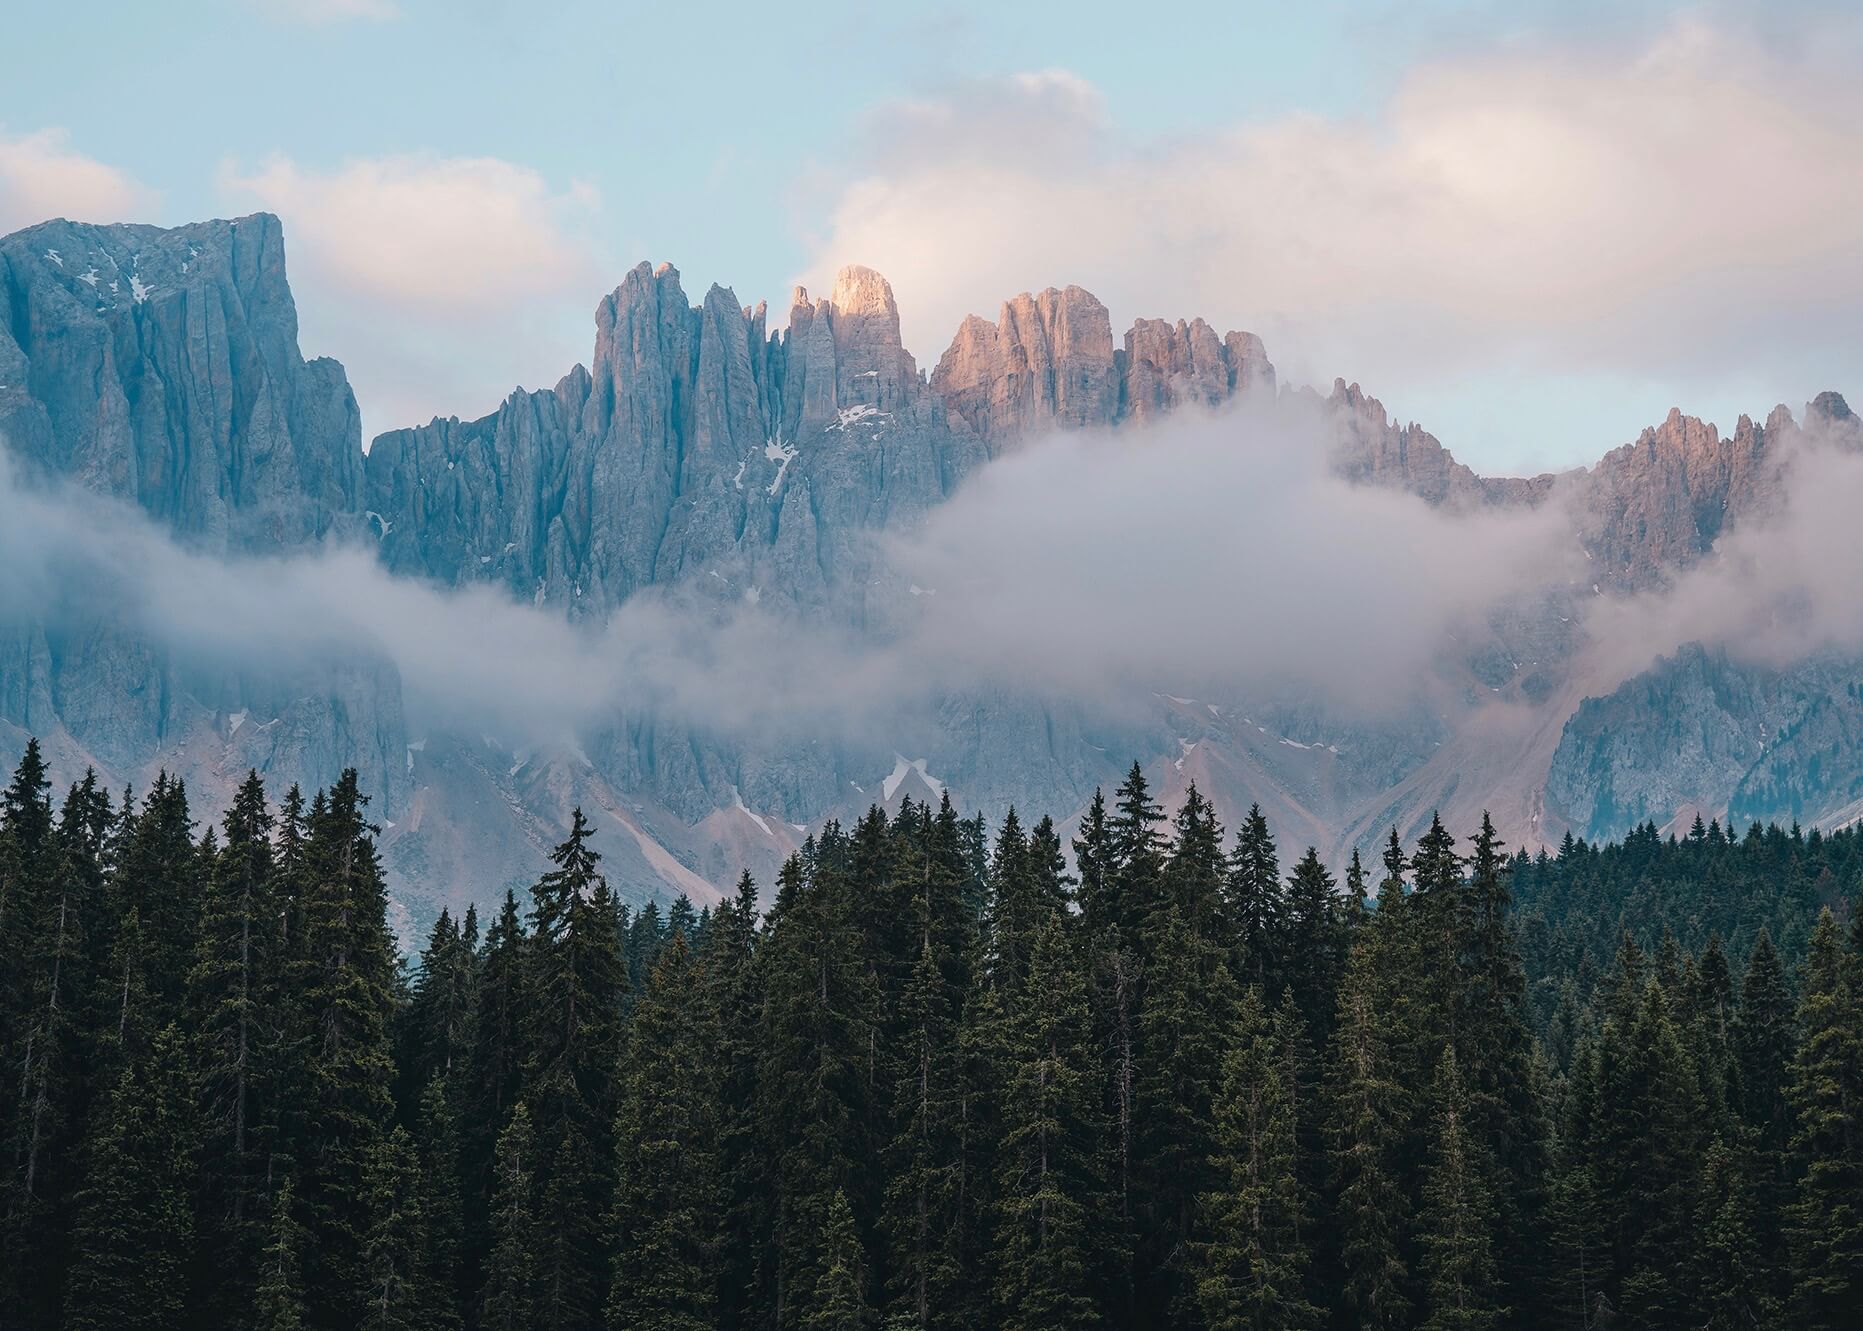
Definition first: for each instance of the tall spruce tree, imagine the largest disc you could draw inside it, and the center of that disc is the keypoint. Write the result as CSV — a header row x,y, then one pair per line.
x,y
1825,1220
668,1215
135,1222
1252,1261
1053,1239
575,986
1457,1222
510,1297
1366,1135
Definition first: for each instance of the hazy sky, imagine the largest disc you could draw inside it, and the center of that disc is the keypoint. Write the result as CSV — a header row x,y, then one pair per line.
x,y
1532,227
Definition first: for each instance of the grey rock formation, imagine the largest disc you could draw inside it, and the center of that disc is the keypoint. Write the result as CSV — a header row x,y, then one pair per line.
x,y
162,367
703,457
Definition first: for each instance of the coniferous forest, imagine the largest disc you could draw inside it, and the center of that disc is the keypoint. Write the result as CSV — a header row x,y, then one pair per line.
x,y
953,1076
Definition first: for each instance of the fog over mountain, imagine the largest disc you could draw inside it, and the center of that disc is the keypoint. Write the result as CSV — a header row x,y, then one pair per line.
x,y
724,584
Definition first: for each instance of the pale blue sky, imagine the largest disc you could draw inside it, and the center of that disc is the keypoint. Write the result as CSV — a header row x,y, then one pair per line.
x,y
727,138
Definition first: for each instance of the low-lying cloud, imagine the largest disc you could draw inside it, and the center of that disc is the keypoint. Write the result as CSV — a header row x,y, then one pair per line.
x,y
1775,590
1209,551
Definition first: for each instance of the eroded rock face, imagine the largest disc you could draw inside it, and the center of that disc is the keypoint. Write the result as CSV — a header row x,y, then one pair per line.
x,y
699,443
162,367
1048,362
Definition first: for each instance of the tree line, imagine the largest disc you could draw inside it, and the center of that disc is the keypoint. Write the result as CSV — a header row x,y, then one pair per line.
x,y
951,1077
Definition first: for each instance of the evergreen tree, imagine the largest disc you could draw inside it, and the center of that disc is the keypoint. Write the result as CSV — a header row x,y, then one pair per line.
x,y
229,1000
1456,1224
1729,1288
1252,1262
1257,910
52,898
1314,942
1825,1221
348,1004
838,1299
1052,1239
667,1213
396,1238
575,987
1366,1136
511,1267
439,1272
279,1303
135,1225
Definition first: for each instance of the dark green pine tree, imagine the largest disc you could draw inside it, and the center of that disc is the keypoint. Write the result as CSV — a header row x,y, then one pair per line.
x,y
1357,907
1497,1052
234,1023
1053,1240
1825,1220
159,875
1765,1036
1252,1263
1314,938
348,1006
509,1301
1185,1025
495,1067
278,1304
49,977
435,1035
1366,1134
1256,906
732,999
837,1298
819,1037
135,1224
440,1263
1728,1286
668,1212
575,987
1456,1225
923,1212
396,1238
1580,1223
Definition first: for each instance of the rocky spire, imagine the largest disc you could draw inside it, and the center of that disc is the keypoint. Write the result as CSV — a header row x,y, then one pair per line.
x,y
1048,360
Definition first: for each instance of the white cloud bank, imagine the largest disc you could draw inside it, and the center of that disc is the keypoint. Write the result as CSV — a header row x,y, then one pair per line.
x,y
1206,550
441,283
42,176
1683,212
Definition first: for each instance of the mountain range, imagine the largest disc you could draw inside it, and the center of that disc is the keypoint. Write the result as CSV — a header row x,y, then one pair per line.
x,y
703,461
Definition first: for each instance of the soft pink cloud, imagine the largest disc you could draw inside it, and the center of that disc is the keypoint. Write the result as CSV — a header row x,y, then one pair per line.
x,y
441,283
1684,209
461,235
42,177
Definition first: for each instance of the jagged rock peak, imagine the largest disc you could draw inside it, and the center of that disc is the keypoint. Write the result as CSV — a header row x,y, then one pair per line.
x,y
861,292
1049,360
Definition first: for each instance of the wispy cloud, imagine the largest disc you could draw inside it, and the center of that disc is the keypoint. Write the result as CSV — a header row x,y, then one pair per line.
x,y
42,176
1681,209
441,281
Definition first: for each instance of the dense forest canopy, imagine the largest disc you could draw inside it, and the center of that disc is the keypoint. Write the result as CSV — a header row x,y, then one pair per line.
x,y
952,1077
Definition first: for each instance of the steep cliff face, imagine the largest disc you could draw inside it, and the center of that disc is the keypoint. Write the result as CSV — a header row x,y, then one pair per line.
x,y
162,367
1701,732
698,443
